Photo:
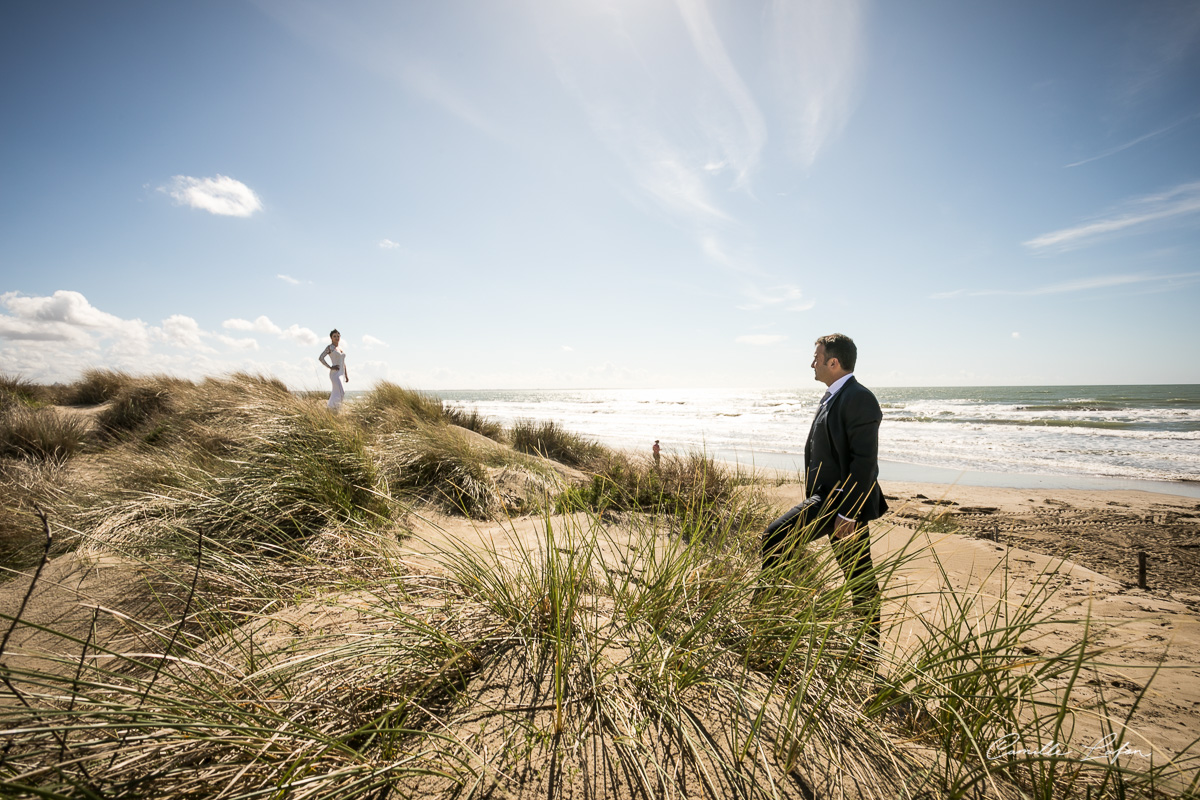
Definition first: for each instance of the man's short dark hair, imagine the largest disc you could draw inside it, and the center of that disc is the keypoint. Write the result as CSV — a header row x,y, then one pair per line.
x,y
841,347
335,330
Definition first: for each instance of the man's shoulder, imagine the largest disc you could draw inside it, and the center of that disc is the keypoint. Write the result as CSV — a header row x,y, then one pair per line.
x,y
858,395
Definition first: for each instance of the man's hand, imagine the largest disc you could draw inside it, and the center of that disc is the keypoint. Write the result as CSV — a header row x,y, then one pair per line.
x,y
844,527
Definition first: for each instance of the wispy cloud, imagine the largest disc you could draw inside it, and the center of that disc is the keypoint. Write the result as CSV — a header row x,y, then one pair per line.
x,y
388,244
818,49
791,298
743,143
760,339
288,279
716,252
221,195
1114,150
371,341
1181,201
424,80
664,96
1160,282
677,185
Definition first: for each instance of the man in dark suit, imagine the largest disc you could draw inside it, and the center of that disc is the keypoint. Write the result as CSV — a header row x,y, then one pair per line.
x,y
841,470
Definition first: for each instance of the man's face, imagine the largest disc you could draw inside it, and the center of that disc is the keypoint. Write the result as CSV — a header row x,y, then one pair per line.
x,y
822,369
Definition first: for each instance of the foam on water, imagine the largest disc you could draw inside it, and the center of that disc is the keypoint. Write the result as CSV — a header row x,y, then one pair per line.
x,y
1135,432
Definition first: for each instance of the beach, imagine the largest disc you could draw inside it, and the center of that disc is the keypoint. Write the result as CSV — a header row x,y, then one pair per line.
x,y
1098,437
1027,590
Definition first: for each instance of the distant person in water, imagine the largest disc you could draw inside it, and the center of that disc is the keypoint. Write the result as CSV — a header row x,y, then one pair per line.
x,y
337,369
656,452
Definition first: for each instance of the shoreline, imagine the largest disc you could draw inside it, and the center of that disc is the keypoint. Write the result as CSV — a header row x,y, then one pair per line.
x,y
902,472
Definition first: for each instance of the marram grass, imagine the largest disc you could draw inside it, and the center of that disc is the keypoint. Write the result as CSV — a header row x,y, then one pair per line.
x,y
622,642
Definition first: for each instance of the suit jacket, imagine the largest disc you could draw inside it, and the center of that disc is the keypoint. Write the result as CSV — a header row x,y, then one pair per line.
x,y
841,459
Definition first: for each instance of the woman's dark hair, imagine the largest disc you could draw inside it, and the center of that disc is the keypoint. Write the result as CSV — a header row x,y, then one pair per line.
x,y
335,330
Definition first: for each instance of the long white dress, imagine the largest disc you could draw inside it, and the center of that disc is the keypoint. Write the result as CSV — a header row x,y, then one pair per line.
x,y
337,358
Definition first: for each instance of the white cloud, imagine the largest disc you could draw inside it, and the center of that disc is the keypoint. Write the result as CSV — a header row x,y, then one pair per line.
x,y
788,296
183,331
1180,201
221,195
388,244
238,344
371,341
288,279
263,324
1082,284
67,316
301,335
260,325
760,339
1016,335
566,348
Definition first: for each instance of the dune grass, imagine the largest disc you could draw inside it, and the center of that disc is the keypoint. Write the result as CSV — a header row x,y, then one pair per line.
x,y
40,433
18,391
96,386
550,440
280,650
610,662
704,498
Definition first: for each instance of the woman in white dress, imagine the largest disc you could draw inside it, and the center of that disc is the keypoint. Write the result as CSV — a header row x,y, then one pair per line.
x,y
337,369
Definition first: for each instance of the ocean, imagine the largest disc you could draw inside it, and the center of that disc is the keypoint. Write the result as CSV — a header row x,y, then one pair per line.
x,y
1068,436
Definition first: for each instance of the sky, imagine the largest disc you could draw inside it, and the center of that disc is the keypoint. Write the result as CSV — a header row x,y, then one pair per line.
x,y
602,193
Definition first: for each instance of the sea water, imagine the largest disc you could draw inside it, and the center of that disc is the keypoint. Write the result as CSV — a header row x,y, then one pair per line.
x,y
1127,433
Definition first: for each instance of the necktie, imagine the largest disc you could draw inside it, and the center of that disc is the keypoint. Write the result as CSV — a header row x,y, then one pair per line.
x,y
813,426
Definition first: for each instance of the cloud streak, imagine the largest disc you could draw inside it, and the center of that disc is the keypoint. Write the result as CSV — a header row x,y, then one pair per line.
x,y
1082,285
1114,150
789,297
222,195
1181,201
760,339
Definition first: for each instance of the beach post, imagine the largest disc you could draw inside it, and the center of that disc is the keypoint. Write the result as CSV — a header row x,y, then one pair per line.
x,y
1141,569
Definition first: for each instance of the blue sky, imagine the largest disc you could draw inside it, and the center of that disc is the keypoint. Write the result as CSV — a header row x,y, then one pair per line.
x,y
621,193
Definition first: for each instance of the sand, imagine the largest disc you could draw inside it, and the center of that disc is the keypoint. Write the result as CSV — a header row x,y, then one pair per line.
x,y
988,539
